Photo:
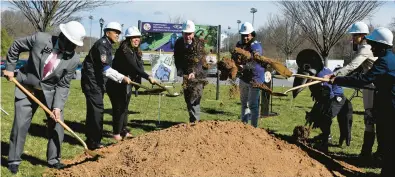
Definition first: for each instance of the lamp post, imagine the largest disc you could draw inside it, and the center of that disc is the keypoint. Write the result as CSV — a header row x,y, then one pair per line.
x,y
238,25
101,26
253,11
90,32
228,37
122,31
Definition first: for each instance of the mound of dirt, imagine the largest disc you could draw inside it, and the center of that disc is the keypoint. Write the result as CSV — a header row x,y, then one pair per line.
x,y
208,148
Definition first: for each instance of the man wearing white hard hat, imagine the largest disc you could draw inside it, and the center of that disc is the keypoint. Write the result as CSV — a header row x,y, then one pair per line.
x,y
382,74
96,70
47,74
128,61
250,72
190,61
363,60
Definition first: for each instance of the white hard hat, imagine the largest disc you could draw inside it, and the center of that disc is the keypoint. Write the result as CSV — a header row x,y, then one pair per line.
x,y
132,31
381,35
359,27
246,28
74,31
188,27
114,26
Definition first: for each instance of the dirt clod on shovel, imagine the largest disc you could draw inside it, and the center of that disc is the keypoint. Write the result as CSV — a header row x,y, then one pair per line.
x,y
208,148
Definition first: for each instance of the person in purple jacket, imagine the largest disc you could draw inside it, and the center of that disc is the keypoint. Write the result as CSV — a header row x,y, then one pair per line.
x,y
251,72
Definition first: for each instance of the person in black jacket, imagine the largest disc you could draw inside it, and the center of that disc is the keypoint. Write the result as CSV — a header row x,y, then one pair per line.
x,y
96,70
190,61
128,62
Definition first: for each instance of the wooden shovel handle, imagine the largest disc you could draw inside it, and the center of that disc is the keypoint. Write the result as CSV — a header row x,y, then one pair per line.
x,y
311,77
304,85
47,110
140,85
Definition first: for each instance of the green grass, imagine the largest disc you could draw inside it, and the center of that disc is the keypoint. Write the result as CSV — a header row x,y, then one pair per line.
x,y
173,111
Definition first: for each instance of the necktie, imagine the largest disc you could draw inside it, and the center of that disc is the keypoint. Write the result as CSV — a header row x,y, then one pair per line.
x,y
51,63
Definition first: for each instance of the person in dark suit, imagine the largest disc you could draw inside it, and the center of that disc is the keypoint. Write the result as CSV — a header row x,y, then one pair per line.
x,y
382,75
96,70
128,62
190,61
47,74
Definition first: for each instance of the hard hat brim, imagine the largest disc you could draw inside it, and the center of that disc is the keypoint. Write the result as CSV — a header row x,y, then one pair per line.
x,y
244,32
378,41
64,31
188,31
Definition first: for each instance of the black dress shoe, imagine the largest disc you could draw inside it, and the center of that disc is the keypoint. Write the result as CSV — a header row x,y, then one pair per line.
x,y
94,145
13,168
57,166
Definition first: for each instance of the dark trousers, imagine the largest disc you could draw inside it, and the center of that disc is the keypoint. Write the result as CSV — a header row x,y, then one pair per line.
x,y
120,98
24,112
342,108
94,116
192,98
386,138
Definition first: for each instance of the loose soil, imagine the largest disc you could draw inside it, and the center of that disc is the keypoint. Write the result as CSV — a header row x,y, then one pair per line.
x,y
208,148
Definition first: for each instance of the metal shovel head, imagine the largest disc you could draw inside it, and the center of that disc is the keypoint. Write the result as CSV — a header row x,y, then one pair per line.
x,y
93,154
173,94
278,94
152,91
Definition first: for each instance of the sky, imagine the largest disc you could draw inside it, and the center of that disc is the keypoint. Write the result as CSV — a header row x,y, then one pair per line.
x,y
224,13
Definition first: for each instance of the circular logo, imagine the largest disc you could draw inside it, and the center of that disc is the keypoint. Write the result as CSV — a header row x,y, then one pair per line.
x,y
268,76
147,26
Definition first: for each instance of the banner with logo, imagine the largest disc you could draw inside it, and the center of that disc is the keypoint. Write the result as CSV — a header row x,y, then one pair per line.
x,y
162,36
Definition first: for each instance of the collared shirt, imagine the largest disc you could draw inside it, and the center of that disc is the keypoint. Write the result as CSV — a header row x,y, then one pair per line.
x,y
57,61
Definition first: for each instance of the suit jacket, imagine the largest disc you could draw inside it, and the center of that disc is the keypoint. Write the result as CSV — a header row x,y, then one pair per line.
x,y
56,85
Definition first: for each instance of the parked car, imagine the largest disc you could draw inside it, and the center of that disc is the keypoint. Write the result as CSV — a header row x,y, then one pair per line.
x,y
212,71
79,66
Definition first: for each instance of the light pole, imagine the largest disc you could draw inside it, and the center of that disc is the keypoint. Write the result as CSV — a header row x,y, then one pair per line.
x,y
101,26
228,37
90,33
121,31
253,11
238,25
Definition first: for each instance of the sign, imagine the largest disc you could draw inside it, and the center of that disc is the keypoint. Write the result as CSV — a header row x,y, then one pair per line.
x,y
152,27
163,67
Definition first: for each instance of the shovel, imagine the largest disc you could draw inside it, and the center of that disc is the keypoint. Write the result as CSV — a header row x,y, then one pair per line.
x,y
91,153
147,89
311,77
170,93
303,85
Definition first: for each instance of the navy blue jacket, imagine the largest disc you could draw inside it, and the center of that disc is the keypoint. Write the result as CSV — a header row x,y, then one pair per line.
x,y
382,74
252,71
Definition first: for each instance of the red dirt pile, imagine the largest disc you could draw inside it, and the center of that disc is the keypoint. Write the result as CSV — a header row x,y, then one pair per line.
x,y
208,148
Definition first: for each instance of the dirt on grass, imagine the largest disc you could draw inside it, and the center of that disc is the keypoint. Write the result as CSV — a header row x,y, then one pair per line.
x,y
208,148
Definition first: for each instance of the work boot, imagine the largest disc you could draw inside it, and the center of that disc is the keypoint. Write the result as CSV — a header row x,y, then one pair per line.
x,y
368,141
14,168
94,145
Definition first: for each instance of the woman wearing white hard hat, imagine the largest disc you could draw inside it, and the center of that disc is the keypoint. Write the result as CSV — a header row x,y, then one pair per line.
x,y
382,74
47,74
190,61
128,62
96,70
250,72
363,59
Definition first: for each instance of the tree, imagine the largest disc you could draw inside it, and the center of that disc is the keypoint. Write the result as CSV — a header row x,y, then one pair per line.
x,y
176,19
46,14
325,22
16,24
284,34
6,42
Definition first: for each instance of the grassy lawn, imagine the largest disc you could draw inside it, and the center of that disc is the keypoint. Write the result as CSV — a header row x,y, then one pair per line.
x,y
145,118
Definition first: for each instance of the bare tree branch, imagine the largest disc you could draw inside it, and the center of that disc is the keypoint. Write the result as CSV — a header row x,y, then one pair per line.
x,y
45,14
284,34
325,22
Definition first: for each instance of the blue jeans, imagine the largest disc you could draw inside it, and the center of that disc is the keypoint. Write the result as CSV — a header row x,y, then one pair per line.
x,y
249,98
